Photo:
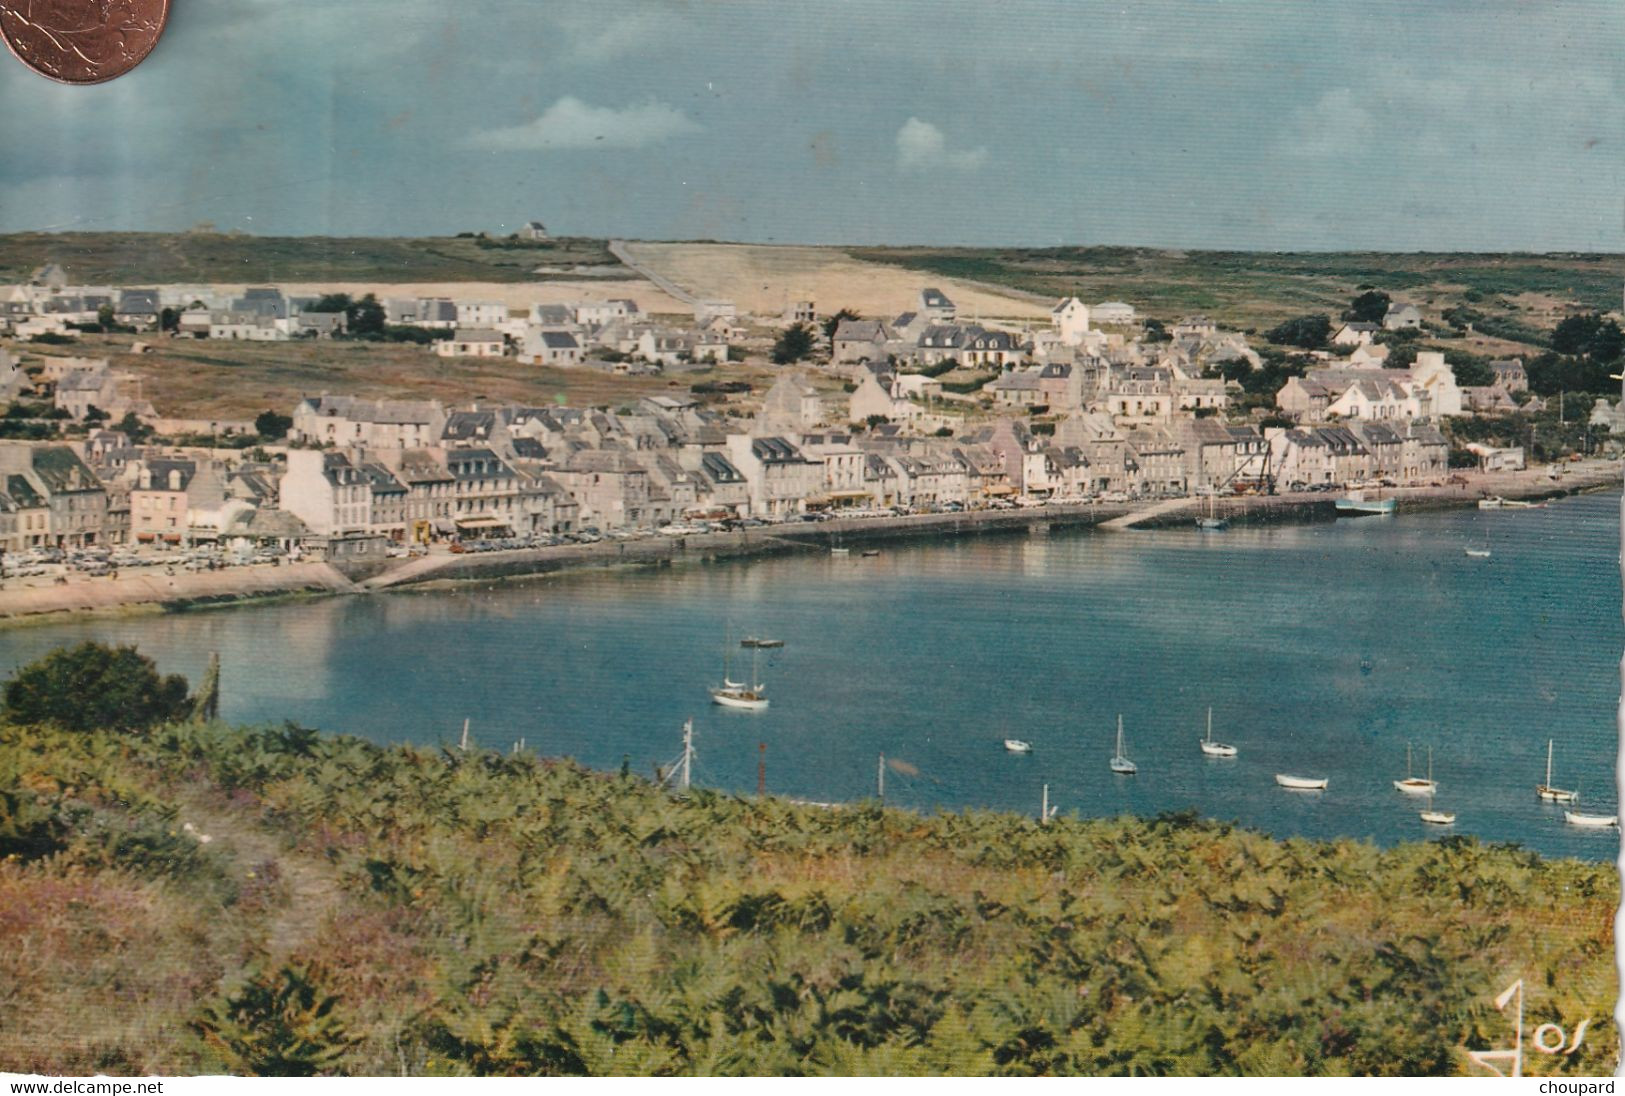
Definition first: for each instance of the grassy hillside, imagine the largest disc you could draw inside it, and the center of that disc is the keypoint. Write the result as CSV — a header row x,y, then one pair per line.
x,y
366,910
1259,289
141,258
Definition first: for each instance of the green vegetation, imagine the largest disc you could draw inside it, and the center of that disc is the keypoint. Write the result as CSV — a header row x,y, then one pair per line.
x,y
1369,307
1257,290
94,686
1307,332
793,344
277,900
138,258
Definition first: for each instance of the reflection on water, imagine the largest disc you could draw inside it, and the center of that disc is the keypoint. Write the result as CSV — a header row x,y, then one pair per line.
x,y
1323,649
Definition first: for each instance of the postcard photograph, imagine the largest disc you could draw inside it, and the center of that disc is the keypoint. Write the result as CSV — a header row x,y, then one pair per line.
x,y
857,538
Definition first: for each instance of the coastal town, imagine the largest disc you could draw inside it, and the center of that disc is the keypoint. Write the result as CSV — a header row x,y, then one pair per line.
x,y
925,411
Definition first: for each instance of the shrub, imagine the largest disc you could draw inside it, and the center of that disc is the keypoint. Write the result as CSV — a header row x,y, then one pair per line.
x,y
93,686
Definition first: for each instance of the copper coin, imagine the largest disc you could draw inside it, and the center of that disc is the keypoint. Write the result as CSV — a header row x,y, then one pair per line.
x,y
82,41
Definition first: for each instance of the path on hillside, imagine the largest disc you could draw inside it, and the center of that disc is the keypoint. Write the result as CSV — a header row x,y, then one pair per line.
x,y
621,251
307,888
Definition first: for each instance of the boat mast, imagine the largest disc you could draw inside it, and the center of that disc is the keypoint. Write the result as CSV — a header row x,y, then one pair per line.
x,y
1119,735
1548,762
880,780
1043,809
688,755
1210,723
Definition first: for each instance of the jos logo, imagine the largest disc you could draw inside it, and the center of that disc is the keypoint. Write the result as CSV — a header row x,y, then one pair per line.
x,y
1547,1038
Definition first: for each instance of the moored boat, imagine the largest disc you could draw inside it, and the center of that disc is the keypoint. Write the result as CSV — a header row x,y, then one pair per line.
x,y
1552,794
1356,503
1591,821
753,641
1121,765
1415,785
1302,783
1494,502
744,696
1212,748
1016,745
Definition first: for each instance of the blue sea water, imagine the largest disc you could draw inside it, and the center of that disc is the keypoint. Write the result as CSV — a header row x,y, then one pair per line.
x,y
1323,650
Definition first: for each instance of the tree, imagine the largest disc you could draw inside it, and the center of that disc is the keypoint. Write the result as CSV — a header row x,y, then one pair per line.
x,y
1155,332
830,323
365,318
331,302
94,687
270,425
95,414
104,316
1471,370
133,428
1369,307
169,320
794,343
1309,332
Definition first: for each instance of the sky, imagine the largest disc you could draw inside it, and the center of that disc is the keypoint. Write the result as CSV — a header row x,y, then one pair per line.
x,y
1360,124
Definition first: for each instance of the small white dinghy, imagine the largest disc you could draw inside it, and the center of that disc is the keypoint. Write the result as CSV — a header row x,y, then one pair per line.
x,y
1016,745
1591,821
1301,783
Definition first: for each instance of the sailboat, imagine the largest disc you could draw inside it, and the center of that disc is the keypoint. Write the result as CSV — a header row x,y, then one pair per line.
x,y
738,694
1121,765
1212,522
1212,748
1434,817
1474,552
1016,745
1546,791
1415,785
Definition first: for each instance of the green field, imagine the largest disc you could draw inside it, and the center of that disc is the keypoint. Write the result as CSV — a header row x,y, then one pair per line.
x,y
1255,290
142,258
368,910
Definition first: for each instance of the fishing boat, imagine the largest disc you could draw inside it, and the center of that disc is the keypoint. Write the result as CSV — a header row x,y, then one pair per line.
x,y
1212,748
764,644
745,696
1355,502
1591,821
1016,745
1494,502
1121,765
1546,791
870,553
1522,504
1415,785
1301,783
840,551
1477,553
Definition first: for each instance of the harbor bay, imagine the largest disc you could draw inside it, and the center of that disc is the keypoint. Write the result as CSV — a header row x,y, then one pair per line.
x,y
1323,649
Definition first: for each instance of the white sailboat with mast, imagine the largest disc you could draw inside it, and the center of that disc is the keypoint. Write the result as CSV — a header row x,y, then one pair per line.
x,y
750,697
1121,765
1415,785
1212,748
1551,794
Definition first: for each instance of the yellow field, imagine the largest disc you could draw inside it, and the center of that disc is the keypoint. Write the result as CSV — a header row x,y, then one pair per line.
x,y
764,279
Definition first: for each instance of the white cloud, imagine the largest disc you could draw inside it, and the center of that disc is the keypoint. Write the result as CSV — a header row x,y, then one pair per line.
x,y
570,123
595,38
921,145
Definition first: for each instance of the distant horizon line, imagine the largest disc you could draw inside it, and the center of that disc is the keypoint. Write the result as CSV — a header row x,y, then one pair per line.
x,y
712,241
